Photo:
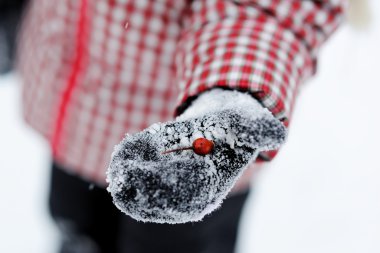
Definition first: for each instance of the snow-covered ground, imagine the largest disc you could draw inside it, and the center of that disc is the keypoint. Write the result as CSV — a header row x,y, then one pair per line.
x,y
320,195
24,221
24,159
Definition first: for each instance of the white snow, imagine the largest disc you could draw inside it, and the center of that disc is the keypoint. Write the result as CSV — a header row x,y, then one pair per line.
x,y
218,99
320,195
24,159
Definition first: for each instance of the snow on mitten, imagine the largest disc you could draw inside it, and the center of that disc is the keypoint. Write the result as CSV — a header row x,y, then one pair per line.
x,y
156,176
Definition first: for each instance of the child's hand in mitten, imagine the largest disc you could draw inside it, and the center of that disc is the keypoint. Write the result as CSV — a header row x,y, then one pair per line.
x,y
157,176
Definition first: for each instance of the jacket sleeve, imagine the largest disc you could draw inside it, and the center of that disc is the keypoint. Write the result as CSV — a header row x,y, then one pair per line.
x,y
265,47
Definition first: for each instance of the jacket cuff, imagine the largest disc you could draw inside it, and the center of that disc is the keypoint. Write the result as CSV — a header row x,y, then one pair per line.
x,y
261,58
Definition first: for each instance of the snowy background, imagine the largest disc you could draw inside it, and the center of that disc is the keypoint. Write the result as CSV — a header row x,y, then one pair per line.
x,y
321,194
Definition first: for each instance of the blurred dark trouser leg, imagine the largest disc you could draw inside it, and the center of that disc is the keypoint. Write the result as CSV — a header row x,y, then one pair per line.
x,y
215,234
10,15
85,216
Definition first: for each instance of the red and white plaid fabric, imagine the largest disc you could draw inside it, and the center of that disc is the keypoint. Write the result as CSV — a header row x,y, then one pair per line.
x,y
88,80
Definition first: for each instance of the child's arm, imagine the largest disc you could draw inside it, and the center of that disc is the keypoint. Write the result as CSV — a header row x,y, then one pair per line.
x,y
264,48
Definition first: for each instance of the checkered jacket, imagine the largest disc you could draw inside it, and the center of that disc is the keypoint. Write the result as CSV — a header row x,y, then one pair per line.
x,y
93,70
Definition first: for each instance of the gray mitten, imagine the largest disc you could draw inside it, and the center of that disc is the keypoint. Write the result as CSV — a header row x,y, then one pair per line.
x,y
150,183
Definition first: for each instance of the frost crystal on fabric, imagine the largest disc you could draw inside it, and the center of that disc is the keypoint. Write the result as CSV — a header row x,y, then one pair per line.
x,y
182,186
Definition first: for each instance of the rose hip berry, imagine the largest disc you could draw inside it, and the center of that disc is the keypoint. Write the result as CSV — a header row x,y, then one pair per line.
x,y
201,146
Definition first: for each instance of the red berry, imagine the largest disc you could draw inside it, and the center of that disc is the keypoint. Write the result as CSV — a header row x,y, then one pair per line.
x,y
202,146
